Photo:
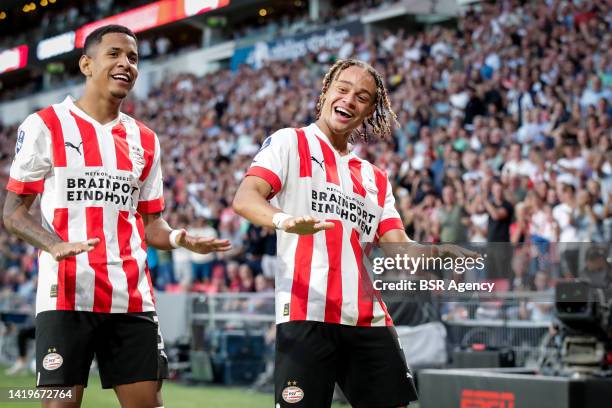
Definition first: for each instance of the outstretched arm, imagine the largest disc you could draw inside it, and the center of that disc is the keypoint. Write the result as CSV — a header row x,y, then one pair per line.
x,y
18,220
250,202
414,249
157,235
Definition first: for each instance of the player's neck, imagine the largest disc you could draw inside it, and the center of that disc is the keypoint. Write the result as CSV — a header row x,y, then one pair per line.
x,y
103,110
338,141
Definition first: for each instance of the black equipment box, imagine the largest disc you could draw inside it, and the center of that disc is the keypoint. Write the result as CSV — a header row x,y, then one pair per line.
x,y
509,388
483,358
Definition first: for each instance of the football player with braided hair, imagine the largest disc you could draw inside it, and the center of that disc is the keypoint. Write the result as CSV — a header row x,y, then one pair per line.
x,y
326,203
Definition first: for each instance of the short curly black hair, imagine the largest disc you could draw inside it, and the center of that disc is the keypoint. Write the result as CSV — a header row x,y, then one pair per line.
x,y
95,37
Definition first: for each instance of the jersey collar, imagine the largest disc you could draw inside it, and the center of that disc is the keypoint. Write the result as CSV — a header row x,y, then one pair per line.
x,y
69,102
318,132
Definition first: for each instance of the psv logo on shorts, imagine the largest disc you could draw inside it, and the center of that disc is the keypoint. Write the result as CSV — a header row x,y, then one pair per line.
x,y
292,394
52,361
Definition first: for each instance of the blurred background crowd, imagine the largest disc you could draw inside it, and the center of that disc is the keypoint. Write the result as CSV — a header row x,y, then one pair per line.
x,y
504,136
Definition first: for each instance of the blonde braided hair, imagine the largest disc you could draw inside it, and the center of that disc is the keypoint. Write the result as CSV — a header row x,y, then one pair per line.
x,y
382,120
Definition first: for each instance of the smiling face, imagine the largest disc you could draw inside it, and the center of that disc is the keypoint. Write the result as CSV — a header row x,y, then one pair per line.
x,y
111,66
349,100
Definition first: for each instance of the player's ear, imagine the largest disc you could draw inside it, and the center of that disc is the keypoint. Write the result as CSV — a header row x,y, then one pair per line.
x,y
85,65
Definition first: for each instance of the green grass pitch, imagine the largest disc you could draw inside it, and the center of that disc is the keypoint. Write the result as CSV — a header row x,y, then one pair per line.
x,y
175,395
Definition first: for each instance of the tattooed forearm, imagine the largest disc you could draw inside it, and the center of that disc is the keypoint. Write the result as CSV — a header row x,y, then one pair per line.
x,y
21,223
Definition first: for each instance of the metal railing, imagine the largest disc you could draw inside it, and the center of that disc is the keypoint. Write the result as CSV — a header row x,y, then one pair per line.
x,y
490,319
232,310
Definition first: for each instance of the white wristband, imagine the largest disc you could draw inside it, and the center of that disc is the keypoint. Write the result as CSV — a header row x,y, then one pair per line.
x,y
279,219
172,238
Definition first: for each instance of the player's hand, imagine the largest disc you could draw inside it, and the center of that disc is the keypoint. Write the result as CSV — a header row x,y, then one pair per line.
x,y
63,250
455,251
306,225
202,245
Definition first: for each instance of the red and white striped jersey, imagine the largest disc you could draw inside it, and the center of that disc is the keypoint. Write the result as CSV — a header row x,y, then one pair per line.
x,y
323,277
94,180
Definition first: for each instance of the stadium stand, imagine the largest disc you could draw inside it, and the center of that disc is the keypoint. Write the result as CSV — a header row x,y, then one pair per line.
x,y
506,106
55,18
511,105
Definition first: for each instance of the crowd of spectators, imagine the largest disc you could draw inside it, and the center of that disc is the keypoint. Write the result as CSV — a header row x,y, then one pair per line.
x,y
296,19
504,136
283,21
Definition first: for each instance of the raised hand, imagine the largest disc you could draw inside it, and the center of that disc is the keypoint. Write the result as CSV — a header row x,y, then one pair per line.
x,y
202,245
306,225
63,250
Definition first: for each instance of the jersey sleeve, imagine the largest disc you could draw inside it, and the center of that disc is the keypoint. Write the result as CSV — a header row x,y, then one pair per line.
x,y
390,218
33,157
271,163
151,199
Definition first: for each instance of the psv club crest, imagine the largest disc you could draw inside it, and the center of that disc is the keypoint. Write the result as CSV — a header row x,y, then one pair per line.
x,y
292,393
53,360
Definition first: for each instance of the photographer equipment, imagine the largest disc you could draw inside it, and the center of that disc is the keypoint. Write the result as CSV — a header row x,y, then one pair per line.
x,y
586,335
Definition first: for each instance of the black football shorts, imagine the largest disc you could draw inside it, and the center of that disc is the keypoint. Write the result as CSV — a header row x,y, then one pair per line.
x,y
128,348
367,363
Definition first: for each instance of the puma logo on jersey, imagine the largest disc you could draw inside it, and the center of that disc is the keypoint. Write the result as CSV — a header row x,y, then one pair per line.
x,y
77,148
320,163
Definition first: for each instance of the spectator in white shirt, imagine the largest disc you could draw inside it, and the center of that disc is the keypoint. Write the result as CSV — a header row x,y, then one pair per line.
x,y
592,94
